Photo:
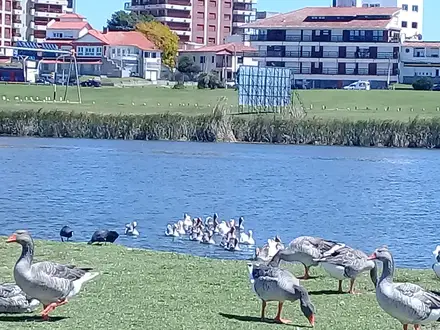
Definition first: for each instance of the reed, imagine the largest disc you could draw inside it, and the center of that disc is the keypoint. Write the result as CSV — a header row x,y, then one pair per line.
x,y
220,126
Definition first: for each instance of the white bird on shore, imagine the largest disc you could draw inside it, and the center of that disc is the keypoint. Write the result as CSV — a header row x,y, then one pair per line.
x,y
436,265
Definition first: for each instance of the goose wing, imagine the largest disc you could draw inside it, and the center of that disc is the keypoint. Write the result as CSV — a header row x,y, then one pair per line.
x,y
354,261
9,290
66,272
274,283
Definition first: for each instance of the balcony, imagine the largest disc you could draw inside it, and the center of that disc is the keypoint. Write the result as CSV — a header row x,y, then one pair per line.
x,y
174,19
246,1
17,11
243,12
347,71
182,32
51,2
324,54
47,14
17,25
40,27
320,38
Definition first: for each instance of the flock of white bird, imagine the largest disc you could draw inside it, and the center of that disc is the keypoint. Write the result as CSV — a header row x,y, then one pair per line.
x,y
230,233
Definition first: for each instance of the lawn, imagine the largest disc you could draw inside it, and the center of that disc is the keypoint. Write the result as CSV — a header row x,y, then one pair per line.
x,y
378,104
141,289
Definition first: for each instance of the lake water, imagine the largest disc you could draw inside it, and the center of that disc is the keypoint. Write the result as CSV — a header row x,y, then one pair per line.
x,y
361,196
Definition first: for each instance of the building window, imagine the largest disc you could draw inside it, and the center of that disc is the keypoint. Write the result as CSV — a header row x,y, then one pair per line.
x,y
154,55
212,3
89,51
211,41
415,8
80,51
405,7
202,59
119,51
201,3
200,40
99,51
200,27
212,16
58,35
227,29
200,15
228,4
240,60
212,28
227,17
114,51
414,25
404,24
212,59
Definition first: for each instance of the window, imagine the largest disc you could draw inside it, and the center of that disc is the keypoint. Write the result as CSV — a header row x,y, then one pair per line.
x,y
415,8
212,28
154,55
200,40
58,35
113,51
201,15
200,27
212,3
212,59
146,54
240,60
99,51
123,52
228,4
404,24
119,51
414,25
212,16
227,17
201,3
211,41
89,51
202,59
80,51
405,7
227,29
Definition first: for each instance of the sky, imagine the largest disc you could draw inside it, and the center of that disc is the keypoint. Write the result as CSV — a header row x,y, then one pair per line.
x,y
97,14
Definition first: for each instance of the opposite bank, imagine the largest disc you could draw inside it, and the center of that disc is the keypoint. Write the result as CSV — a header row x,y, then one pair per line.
x,y
218,127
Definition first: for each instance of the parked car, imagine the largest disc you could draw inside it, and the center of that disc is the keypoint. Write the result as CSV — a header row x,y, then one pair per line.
x,y
43,81
359,85
91,83
436,87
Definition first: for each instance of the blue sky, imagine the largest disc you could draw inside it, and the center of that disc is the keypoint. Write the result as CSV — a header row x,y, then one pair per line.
x,y
97,14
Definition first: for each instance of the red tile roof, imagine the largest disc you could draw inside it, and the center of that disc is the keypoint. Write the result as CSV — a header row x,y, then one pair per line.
x,y
98,35
229,48
298,18
58,25
422,44
129,38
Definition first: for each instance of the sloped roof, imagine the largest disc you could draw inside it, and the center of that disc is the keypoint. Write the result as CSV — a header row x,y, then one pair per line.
x,y
229,48
59,25
129,38
344,17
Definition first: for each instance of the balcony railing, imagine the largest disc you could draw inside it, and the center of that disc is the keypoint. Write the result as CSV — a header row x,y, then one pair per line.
x,y
324,54
347,71
320,38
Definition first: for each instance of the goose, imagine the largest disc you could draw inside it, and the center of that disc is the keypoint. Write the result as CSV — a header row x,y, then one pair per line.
x,y
232,245
175,231
407,302
181,228
50,283
66,232
305,249
247,238
269,250
240,226
187,223
169,230
196,235
223,228
207,238
436,265
276,284
130,229
346,263
14,300
103,236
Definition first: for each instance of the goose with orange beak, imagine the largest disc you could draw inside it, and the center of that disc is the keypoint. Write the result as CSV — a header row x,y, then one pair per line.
x,y
407,302
276,284
51,283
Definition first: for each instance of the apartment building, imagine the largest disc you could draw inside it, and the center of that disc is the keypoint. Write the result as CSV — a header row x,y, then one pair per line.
x,y
411,16
202,22
419,59
331,47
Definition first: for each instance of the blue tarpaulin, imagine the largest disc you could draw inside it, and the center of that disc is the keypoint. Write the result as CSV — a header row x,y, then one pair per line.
x,y
38,53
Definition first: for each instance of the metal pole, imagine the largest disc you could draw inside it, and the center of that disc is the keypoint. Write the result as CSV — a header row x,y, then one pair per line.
x,y
77,79
68,79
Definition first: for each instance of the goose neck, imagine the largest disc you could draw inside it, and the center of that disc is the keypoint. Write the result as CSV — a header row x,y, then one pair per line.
x,y
388,270
27,253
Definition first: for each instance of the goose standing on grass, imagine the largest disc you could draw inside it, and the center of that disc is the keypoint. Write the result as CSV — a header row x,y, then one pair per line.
x,y
406,302
436,265
14,300
247,239
51,283
276,284
103,236
305,249
66,232
346,263
130,229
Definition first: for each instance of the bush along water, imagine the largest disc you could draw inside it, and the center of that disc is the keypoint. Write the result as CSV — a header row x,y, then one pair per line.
x,y
219,126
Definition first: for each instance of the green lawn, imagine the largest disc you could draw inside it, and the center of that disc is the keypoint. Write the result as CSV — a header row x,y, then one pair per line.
x,y
379,104
141,289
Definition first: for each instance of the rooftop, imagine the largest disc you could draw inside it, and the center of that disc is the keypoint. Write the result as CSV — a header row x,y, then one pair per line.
x,y
422,44
229,48
129,38
58,25
330,17
72,15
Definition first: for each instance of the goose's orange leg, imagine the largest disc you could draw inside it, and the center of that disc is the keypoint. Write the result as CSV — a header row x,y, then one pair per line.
x,y
278,317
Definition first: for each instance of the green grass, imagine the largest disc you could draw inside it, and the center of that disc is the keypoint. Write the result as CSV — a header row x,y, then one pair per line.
x,y
340,104
141,289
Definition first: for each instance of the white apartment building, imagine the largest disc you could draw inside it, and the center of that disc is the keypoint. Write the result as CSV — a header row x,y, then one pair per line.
x,y
419,59
331,47
224,59
411,16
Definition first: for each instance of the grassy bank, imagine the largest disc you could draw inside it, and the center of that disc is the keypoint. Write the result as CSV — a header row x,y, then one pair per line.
x,y
326,104
152,290
419,133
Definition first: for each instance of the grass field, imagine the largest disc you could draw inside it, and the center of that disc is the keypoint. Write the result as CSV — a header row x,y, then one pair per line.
x,y
378,104
141,289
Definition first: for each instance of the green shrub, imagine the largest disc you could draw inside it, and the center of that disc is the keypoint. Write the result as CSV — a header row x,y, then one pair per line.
x,y
422,84
179,85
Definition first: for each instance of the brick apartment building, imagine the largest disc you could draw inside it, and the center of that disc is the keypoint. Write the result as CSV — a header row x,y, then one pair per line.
x,y
204,22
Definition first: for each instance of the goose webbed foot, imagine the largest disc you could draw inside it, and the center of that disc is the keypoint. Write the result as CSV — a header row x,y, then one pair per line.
x,y
306,275
278,318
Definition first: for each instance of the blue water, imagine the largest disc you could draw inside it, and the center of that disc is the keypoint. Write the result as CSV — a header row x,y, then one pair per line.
x,y
361,196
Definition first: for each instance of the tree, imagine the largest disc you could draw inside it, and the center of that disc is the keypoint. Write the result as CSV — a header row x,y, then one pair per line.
x,y
123,21
163,38
187,66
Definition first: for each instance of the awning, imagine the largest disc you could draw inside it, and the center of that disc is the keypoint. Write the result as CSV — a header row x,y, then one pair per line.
x,y
32,44
68,62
